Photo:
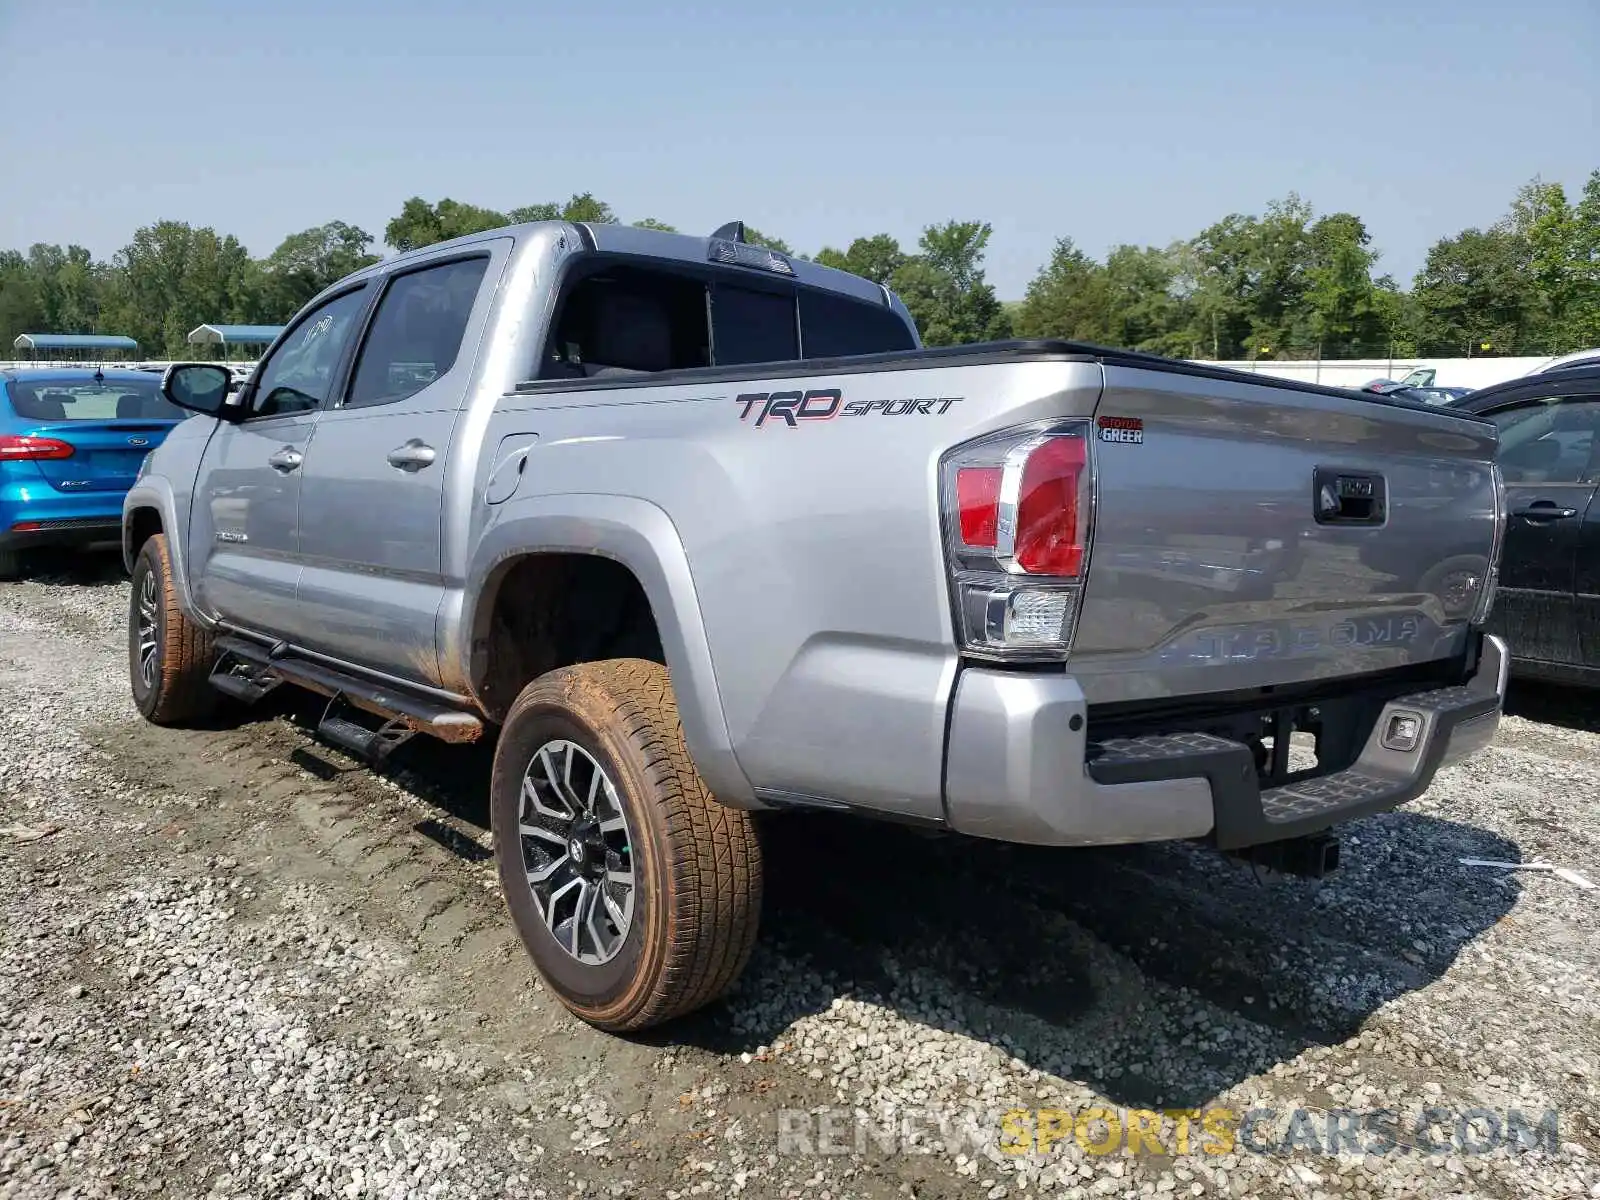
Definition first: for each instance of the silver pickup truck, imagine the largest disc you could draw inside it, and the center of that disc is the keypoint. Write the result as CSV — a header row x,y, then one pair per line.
x,y
700,530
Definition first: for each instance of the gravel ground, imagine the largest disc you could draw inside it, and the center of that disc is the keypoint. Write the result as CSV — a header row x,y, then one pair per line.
x,y
234,963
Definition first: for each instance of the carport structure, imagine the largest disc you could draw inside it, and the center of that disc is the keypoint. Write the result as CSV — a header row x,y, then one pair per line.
x,y
73,346
252,338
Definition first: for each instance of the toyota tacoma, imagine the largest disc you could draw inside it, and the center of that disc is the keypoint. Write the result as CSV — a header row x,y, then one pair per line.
x,y
697,530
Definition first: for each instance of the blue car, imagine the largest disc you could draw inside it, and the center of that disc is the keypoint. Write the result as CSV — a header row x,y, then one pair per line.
x,y
71,442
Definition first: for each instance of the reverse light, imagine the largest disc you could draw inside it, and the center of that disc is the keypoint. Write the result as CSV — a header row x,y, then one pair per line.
x,y
1017,508
16,448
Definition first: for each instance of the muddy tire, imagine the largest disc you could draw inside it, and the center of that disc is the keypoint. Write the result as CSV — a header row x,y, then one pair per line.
x,y
169,656
636,894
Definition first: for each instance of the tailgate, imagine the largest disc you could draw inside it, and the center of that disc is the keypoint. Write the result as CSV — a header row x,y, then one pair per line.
x,y
1254,535
105,454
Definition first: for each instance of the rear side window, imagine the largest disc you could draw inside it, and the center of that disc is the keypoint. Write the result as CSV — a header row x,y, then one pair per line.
x,y
834,327
417,331
93,400
1548,442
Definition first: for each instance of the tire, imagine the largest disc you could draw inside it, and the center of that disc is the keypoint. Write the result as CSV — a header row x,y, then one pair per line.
x,y
694,901
175,689
10,564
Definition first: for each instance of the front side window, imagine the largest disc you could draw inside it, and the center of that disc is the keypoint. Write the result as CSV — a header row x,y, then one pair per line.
x,y
417,332
300,373
1548,441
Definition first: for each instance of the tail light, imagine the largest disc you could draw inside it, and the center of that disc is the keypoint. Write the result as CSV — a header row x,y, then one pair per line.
x,y
13,447
1018,514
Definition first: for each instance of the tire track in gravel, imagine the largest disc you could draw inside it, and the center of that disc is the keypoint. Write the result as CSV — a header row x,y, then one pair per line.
x,y
226,829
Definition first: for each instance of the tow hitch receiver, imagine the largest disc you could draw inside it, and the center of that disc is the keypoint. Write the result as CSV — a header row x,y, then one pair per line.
x,y
1314,856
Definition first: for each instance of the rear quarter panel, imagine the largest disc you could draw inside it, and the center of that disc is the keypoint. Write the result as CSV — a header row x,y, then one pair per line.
x,y
814,547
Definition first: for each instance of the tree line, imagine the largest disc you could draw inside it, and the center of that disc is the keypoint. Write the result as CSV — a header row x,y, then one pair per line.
x,y
1285,283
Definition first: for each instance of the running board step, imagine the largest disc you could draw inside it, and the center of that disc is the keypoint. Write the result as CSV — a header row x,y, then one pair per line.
x,y
374,745
248,688
242,678
419,714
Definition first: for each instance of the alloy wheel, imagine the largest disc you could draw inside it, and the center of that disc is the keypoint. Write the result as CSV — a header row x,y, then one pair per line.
x,y
576,851
147,630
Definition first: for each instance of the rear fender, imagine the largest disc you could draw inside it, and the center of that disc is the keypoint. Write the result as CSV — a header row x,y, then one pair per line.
x,y
641,537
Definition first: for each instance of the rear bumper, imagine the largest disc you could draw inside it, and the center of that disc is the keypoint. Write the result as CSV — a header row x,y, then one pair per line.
x,y
49,518
1020,767
66,531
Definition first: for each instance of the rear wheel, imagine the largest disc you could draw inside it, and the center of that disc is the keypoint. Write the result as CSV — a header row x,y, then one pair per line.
x,y
636,894
169,656
10,564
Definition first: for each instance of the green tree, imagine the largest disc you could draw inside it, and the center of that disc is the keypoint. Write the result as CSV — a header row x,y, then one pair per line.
x,y
1340,300
1215,276
579,207
652,223
172,277
1475,288
1583,317
21,310
876,258
944,286
422,224
1144,311
1069,298
306,262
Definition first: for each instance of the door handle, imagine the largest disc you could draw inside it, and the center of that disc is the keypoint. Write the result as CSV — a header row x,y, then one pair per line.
x,y
286,460
1544,510
412,456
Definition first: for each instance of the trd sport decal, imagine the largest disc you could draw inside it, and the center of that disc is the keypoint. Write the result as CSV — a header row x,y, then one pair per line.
x,y
824,404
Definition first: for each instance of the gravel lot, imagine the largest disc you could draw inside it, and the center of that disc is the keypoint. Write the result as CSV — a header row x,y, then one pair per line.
x,y
233,963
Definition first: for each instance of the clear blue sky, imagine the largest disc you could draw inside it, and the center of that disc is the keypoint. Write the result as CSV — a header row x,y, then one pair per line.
x,y
1138,121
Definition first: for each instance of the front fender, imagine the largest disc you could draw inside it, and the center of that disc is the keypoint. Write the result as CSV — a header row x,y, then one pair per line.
x,y
640,536
155,492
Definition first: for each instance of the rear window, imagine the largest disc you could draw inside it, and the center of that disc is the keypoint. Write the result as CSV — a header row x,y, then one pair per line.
x,y
834,327
752,327
91,400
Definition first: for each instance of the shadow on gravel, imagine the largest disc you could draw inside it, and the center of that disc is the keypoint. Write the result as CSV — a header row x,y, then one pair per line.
x,y
1156,974
80,568
1566,705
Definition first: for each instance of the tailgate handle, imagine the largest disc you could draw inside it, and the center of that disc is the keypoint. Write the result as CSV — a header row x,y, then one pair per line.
x,y
1544,510
1342,497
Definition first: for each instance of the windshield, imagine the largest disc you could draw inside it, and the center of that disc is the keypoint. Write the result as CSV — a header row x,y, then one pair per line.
x,y
91,400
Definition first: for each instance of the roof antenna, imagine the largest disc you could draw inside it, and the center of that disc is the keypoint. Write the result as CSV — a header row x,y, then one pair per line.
x,y
733,231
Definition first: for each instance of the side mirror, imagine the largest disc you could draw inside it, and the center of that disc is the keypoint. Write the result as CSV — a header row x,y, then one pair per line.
x,y
198,387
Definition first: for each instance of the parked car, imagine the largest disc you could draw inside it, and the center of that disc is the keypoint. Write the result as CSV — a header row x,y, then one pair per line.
x,y
1398,390
1563,362
1548,604
702,531
71,441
